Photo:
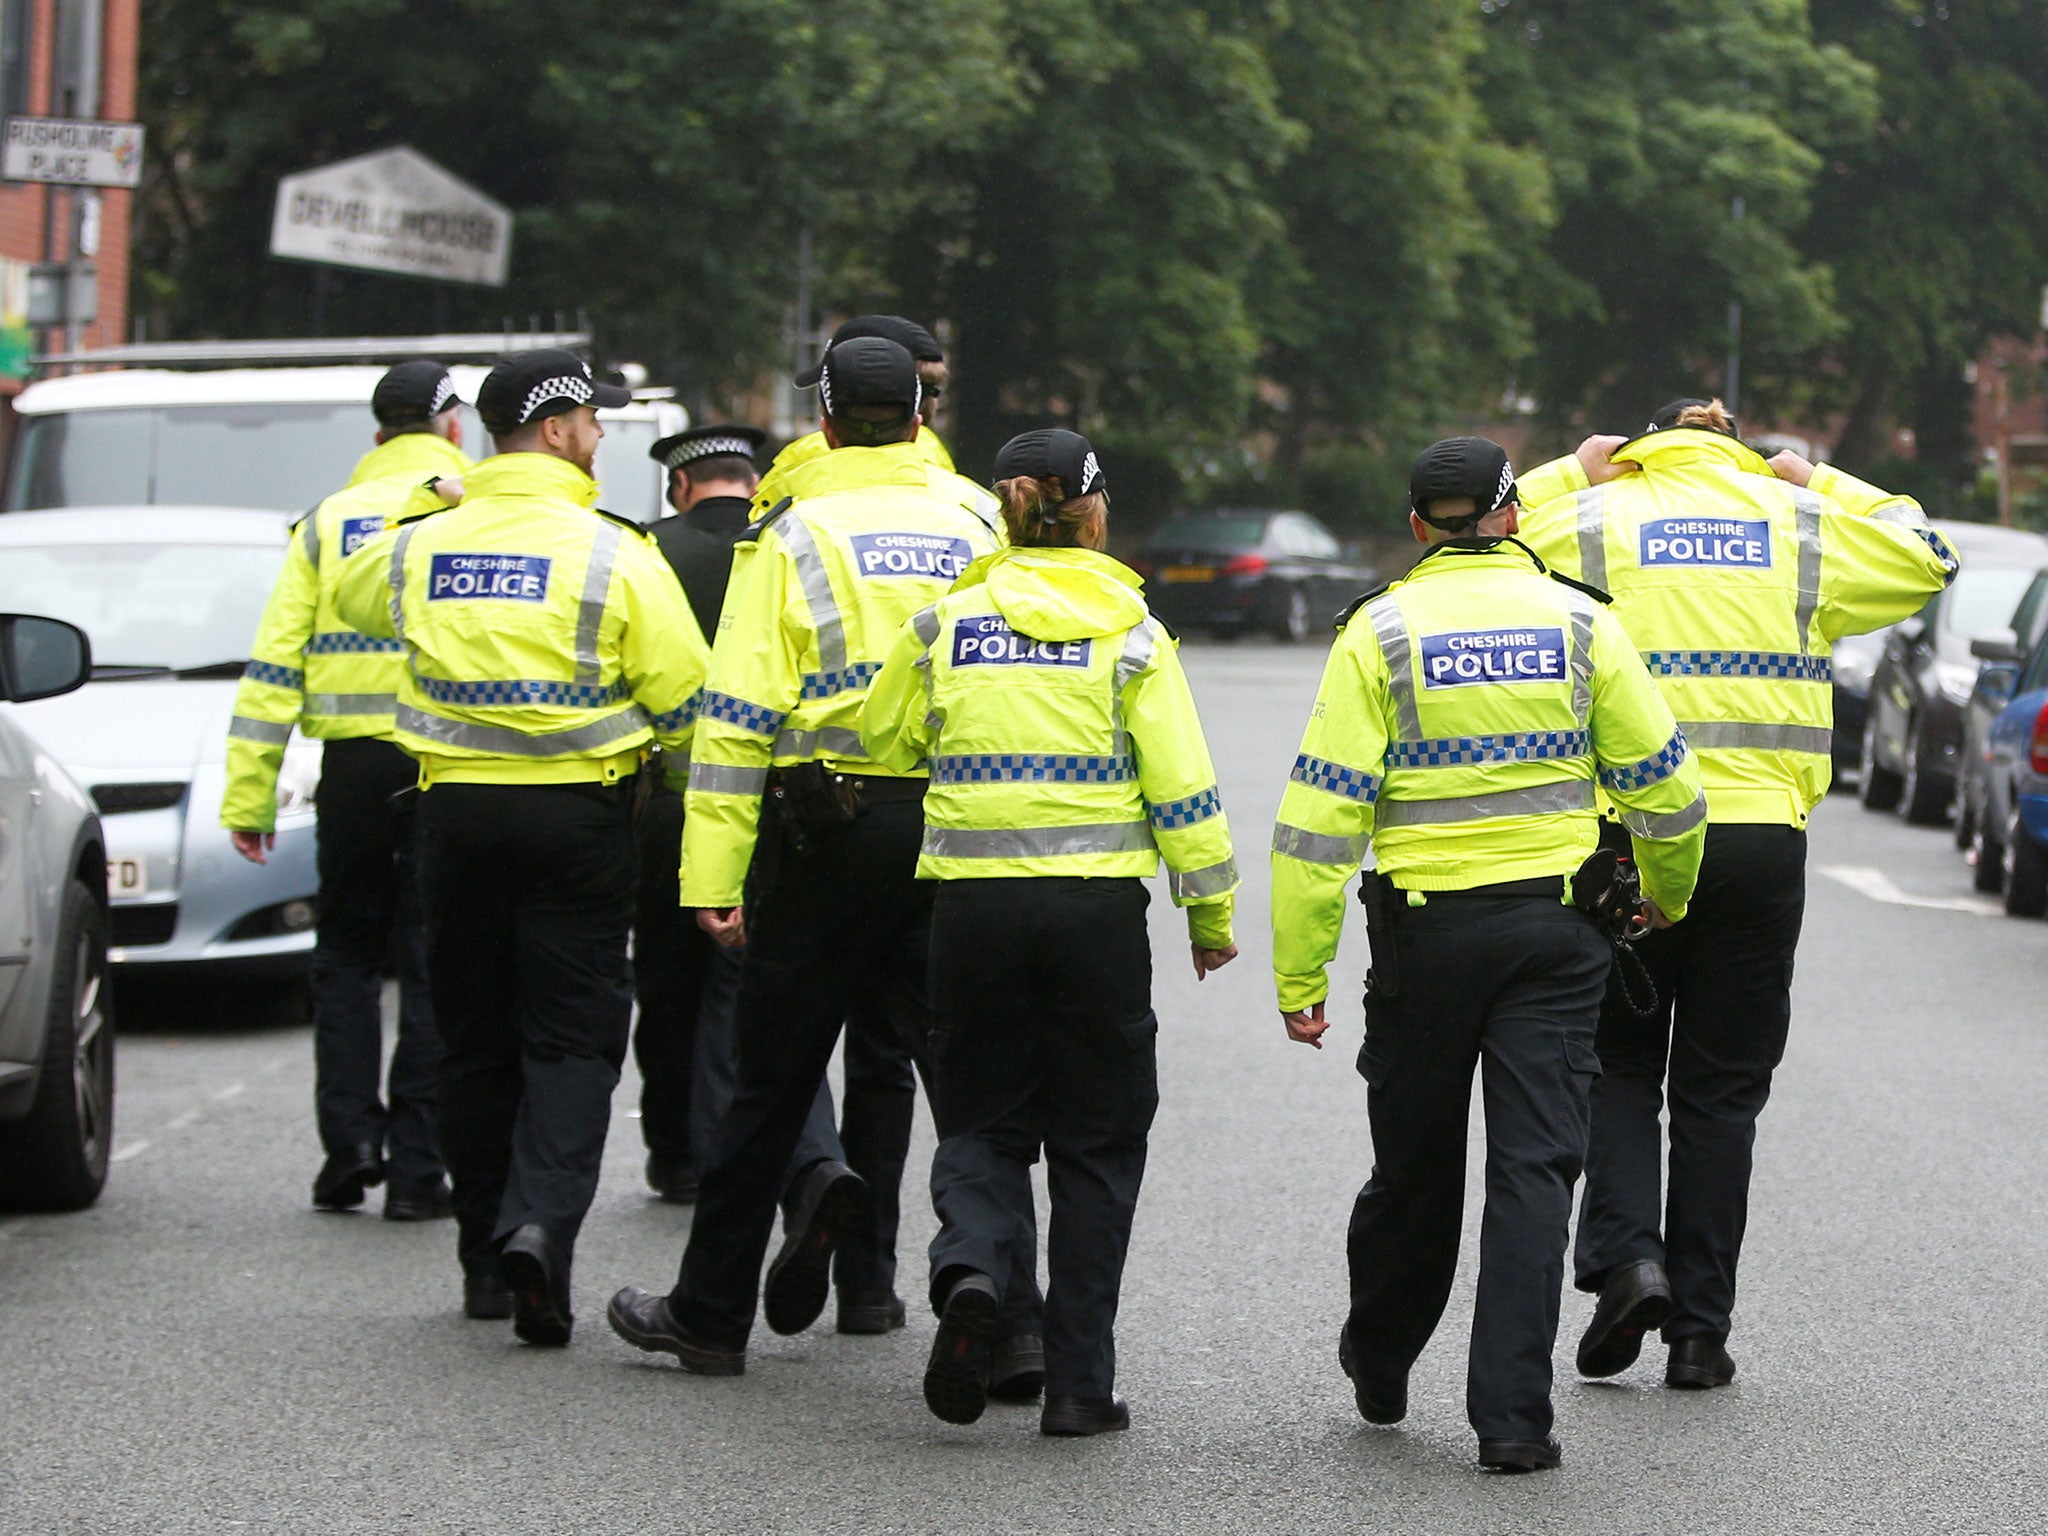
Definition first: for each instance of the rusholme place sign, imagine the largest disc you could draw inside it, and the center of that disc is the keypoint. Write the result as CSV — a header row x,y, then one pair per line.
x,y
393,211
71,152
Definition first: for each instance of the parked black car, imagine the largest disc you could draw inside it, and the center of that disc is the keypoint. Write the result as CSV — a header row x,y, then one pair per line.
x,y
1855,663
1236,570
1913,728
2002,655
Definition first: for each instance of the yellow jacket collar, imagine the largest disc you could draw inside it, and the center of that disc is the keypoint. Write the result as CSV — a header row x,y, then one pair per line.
x,y
417,454
531,474
856,468
1691,445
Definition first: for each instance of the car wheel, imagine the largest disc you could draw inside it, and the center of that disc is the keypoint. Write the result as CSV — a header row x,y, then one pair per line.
x,y
1879,786
2026,871
1989,874
56,1158
1923,797
1291,626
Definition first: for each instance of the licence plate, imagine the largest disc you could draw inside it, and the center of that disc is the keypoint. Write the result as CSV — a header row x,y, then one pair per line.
x,y
1188,573
127,877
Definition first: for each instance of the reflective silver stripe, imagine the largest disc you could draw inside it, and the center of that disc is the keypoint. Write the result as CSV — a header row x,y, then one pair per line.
x,y
597,581
1582,654
721,779
273,733
1809,506
1141,644
398,579
1539,800
351,703
834,739
309,535
817,584
1392,630
1670,823
1593,536
1903,513
500,742
1318,847
925,624
1037,842
1210,880
1736,734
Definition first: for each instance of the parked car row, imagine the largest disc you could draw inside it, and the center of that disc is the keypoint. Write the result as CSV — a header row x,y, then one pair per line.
x,y
1952,713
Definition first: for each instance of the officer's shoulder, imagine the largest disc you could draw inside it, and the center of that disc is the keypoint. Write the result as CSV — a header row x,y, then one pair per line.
x,y
416,515
1598,594
753,531
1350,610
633,524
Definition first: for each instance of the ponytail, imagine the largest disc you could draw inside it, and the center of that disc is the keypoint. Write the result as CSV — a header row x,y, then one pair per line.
x,y
1037,513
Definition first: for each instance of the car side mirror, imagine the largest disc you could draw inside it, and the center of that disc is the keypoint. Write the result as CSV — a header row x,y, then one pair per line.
x,y
41,658
1995,679
1911,631
1999,645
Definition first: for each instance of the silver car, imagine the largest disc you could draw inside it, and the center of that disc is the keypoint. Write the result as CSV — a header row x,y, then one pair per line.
x,y
170,598
56,1031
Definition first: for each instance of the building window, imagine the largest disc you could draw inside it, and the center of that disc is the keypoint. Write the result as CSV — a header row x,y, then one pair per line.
x,y
16,18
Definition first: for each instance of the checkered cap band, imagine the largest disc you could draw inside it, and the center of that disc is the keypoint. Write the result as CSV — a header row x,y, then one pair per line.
x,y
707,448
567,386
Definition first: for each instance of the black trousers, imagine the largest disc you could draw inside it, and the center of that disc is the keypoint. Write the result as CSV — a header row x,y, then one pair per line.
x,y
671,959
843,936
1043,1037
529,903
1512,984
1724,988
370,915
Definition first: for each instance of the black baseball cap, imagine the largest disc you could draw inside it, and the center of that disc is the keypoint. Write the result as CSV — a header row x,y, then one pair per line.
x,y
1667,418
913,338
1476,467
708,442
869,370
412,392
1049,452
535,385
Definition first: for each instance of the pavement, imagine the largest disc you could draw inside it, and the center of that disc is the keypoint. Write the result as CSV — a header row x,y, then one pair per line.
x,y
201,1352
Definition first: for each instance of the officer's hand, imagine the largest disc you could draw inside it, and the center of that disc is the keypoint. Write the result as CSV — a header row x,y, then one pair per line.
x,y
726,925
1789,466
1596,458
1207,960
1307,1027
254,846
449,488
1656,916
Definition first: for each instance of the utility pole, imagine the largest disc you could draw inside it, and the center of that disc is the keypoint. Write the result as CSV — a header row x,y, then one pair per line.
x,y
1731,378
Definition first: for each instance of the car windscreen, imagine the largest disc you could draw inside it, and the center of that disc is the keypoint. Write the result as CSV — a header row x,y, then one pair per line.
x,y
1982,600
1210,535
146,605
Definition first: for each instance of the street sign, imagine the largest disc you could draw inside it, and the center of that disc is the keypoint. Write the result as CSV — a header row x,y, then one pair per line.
x,y
74,152
393,211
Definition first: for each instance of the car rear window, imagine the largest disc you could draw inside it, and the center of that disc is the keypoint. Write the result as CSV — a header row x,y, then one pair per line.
x,y
1210,535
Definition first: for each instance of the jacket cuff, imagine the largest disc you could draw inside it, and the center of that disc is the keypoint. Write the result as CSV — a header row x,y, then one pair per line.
x,y
1298,994
1209,924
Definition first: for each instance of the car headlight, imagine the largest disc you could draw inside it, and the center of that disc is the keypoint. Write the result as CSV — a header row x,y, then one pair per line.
x,y
298,777
1955,680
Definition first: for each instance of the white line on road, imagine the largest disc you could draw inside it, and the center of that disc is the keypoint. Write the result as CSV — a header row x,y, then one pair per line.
x,y
179,1122
228,1092
1878,886
127,1151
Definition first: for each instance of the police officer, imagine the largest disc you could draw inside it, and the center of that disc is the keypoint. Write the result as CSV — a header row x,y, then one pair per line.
x,y
1065,756
310,669
1462,722
546,645
1734,577
835,923
812,446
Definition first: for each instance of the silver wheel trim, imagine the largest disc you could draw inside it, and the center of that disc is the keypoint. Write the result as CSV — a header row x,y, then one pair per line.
x,y
90,1043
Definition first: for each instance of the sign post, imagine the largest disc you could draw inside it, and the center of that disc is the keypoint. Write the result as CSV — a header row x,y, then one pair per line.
x,y
393,211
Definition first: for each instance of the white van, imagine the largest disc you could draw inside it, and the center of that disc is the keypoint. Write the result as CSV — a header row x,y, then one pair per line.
x,y
280,437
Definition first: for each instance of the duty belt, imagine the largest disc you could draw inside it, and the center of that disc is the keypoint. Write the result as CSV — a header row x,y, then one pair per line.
x,y
1551,886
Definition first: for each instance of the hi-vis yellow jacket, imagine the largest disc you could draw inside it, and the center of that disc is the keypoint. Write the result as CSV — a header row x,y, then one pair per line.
x,y
1462,720
306,666
1060,731
811,449
1735,585
545,642
816,597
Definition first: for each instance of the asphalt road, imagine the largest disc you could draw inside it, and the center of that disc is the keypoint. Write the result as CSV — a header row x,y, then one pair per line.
x,y
201,1352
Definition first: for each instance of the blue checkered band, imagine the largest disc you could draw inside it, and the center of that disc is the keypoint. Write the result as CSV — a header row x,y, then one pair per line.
x,y
733,711
675,719
1031,768
276,676
823,685
1335,779
346,642
524,691
1807,669
1513,747
1185,813
1650,769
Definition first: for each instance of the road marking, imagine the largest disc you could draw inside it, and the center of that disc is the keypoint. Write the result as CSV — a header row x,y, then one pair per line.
x,y
1877,885
128,1152
228,1092
179,1122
